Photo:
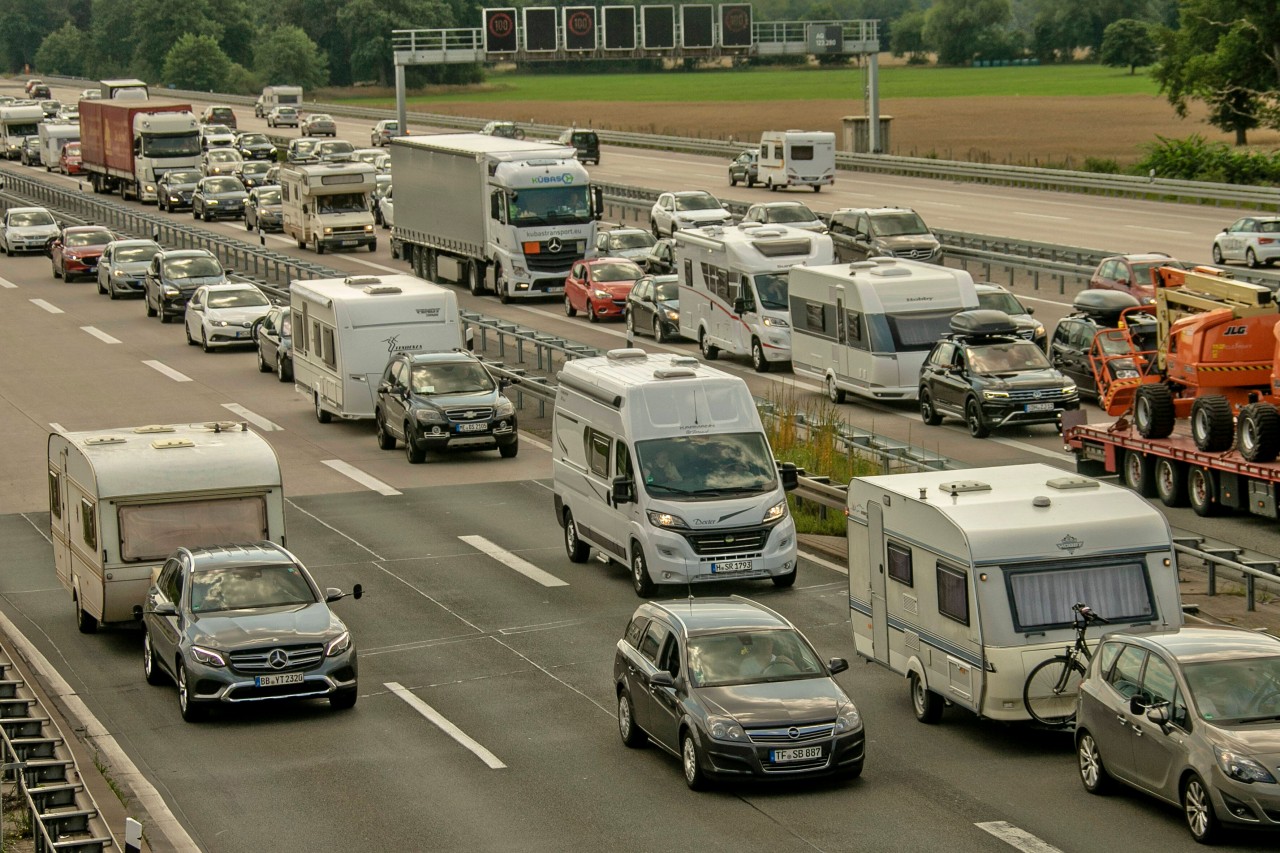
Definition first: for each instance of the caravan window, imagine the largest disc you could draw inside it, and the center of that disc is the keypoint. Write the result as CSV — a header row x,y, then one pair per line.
x,y
153,531
55,494
801,152
900,563
330,352
88,524
300,340
597,452
917,331
855,329
1042,598
953,593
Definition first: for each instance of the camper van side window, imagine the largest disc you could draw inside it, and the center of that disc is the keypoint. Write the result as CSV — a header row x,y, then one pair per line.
x,y
953,593
900,564
622,461
88,524
330,351
688,273
597,452
55,494
855,329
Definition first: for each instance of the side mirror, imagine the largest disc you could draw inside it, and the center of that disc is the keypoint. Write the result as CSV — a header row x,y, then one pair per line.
x,y
333,594
165,608
1030,311
1159,714
661,678
725,205
1136,704
739,305
624,490
597,197
384,387
790,477
837,665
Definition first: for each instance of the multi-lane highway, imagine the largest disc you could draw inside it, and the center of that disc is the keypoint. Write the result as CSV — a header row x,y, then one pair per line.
x,y
485,720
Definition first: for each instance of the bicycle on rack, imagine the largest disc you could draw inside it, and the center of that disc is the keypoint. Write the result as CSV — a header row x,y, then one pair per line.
x,y
1050,689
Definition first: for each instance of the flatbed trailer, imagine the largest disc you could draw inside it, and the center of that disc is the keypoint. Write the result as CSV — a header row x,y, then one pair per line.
x,y
1174,470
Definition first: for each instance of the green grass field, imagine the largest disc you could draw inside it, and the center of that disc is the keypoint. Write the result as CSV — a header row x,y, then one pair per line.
x,y
775,84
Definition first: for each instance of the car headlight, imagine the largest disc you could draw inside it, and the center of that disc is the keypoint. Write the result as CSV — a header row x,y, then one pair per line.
x,y
672,316
777,322
995,395
117,273
170,291
519,269
328,232
775,512
1069,390
176,198
1127,374
725,728
667,520
211,201
848,719
338,644
601,294
149,188
430,416
219,323
208,657
1039,331
1240,767
504,409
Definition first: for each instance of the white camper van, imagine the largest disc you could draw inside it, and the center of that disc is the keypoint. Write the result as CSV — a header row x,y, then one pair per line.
x,y
797,158
54,136
963,581
866,327
733,287
121,500
346,329
661,463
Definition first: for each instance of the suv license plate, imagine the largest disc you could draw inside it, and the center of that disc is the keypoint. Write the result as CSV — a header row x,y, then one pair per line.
x,y
276,680
731,566
804,753
477,427
1039,407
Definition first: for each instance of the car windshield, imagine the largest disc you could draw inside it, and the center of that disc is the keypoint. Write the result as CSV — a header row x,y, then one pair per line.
x,y
630,240
219,129
285,111
181,177
192,268
666,291
1142,269
391,126
135,254
897,224
256,167
72,149
88,238
772,290
550,206
30,218
1000,300
249,588
337,146
790,213
341,203
450,377
254,139
780,654
23,129
699,201
615,271
304,146
1238,690
248,297
706,466
223,157
318,117
222,185
269,196
1008,357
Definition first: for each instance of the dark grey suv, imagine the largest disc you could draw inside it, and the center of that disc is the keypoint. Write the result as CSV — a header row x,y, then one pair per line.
x,y
245,623
870,232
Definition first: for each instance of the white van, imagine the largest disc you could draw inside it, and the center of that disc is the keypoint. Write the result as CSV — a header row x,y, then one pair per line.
x,y
660,462
797,158
867,327
346,329
122,500
963,581
733,287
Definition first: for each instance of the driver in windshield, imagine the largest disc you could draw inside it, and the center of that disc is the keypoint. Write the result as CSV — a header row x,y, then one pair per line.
x,y
663,468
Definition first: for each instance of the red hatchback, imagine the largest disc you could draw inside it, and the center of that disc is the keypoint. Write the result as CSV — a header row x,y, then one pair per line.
x,y
599,287
77,249
69,160
1131,274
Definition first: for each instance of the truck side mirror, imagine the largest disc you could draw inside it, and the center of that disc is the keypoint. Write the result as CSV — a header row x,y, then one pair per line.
x,y
597,198
790,477
739,305
624,490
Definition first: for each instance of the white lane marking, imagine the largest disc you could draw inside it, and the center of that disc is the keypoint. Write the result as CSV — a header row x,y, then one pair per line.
x,y
291,242
366,480
525,438
57,427
1157,230
1040,215
257,420
1060,455
1018,838
1044,301
100,335
511,561
490,760
167,371
7,285
812,558
326,524
122,770
52,309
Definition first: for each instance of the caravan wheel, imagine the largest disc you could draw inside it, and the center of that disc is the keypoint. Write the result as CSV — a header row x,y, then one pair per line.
x,y
321,415
926,704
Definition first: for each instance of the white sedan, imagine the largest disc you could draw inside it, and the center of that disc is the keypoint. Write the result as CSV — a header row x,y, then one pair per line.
x,y
27,229
686,209
222,315
1254,240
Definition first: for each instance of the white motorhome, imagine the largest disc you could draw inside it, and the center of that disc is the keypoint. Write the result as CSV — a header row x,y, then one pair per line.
x,y
797,158
326,205
661,463
346,329
121,500
16,124
275,96
866,327
733,287
963,581
54,136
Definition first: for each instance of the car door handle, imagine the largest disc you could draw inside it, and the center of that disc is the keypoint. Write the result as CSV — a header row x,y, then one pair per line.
x,y
1124,721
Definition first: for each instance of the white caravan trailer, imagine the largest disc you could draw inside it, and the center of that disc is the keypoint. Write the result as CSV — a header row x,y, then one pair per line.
x,y
867,327
122,500
797,158
346,329
733,287
661,463
963,581
54,136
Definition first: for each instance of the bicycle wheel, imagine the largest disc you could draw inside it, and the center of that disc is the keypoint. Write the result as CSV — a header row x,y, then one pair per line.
x,y
1050,691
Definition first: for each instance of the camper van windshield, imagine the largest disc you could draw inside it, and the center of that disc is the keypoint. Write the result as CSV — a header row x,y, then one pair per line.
x,y
751,657
707,466
450,377
1007,357
1042,597
29,129
897,224
341,203
550,206
187,145
772,289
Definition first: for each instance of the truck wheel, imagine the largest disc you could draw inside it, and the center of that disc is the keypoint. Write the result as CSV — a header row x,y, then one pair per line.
x,y
1153,411
476,271
373,245
709,351
1202,491
577,550
1139,473
319,246
432,264
640,580
1258,432
500,284
1171,482
86,623
758,361
1212,424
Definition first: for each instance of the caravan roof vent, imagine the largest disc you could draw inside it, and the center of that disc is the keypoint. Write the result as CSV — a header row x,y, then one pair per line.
x,y
779,248
172,443
375,289
887,271
857,266
684,361
1072,483
97,440
150,428
955,487
674,373
226,426
361,280
623,354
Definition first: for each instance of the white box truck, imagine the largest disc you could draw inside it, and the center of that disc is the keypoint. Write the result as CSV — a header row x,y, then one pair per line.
x,y
661,463
523,209
346,329
122,500
275,96
326,205
963,581
797,158
16,124
54,136
866,328
733,287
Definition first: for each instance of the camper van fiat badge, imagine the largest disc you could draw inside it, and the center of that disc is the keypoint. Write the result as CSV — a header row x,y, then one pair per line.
x,y
1070,544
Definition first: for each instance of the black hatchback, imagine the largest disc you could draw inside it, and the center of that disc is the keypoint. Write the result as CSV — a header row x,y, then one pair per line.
x,y
586,143
985,375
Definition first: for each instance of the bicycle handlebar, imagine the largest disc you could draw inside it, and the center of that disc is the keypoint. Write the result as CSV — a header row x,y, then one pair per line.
x,y
1087,613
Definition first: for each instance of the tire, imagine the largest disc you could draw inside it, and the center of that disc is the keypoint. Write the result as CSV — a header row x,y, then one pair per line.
x,y
204,340
284,372
111,291
1153,412
165,318
1197,809
632,736
691,763
343,700
319,246
1202,491
928,413
733,182
433,265
709,351
1251,259
414,452
56,272
834,393
86,623
1049,693
758,362
1217,254
569,310
1258,432
322,415
386,441
186,330
263,367
192,712
149,668
1171,482
1093,774
101,290
1212,424
978,427
1139,473
926,704
629,321
786,581
751,182
653,227
591,312
659,335
208,217
817,188
640,580
151,312
577,550
476,273
509,451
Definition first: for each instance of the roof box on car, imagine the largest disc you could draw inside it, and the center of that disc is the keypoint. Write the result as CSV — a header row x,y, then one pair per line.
x,y
983,322
1103,305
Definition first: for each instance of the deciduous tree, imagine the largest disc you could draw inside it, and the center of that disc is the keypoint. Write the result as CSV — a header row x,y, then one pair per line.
x,y
285,55
196,62
1127,43
962,29
62,52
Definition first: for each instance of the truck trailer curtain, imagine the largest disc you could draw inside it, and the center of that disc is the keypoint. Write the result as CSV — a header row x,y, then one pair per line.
x,y
153,531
